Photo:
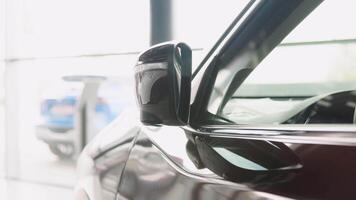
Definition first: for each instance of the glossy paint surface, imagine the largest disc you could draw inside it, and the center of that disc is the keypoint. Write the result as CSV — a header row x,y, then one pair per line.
x,y
157,169
153,174
101,163
132,161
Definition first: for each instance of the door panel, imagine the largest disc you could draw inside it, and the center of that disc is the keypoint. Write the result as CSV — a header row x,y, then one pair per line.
x,y
327,169
328,173
151,173
163,166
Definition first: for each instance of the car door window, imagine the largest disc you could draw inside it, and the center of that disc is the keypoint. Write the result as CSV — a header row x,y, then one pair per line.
x,y
309,78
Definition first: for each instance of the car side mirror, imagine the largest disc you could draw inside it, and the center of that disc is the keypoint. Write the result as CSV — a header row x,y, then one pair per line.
x,y
163,81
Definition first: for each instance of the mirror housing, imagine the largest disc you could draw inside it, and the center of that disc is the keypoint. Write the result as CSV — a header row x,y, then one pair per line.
x,y
163,81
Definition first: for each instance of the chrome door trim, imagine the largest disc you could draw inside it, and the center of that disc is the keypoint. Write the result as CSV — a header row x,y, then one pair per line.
x,y
344,135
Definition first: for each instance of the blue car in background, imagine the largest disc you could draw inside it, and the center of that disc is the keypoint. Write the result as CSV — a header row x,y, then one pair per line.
x,y
59,110
59,113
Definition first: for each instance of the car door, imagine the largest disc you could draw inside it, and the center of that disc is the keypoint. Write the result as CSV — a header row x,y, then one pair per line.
x,y
272,115
298,97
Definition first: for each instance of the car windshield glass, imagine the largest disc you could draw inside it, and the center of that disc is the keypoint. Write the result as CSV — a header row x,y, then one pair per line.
x,y
310,77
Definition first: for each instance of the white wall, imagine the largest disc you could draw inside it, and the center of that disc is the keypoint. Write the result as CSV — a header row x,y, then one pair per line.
x,y
2,66
46,40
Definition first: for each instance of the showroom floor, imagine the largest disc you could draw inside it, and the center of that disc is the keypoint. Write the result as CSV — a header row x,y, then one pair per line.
x,y
11,189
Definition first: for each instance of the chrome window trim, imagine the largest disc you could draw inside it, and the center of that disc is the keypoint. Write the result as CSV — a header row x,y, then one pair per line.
x,y
343,135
